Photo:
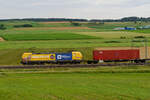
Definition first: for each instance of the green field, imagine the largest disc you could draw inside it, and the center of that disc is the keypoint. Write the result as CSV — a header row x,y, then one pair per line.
x,y
127,83
37,35
101,83
64,37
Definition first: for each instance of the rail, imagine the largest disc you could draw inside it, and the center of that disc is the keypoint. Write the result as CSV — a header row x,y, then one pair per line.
x,y
69,65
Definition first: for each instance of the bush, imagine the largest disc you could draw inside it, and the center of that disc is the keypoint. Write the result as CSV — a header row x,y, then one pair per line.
x,y
25,25
137,41
112,42
2,27
139,37
122,37
76,24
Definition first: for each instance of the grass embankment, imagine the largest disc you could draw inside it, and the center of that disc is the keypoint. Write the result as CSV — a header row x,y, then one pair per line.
x,y
101,69
13,56
76,84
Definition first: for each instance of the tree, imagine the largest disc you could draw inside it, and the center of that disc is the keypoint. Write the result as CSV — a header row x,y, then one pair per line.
x,y
2,27
24,25
75,24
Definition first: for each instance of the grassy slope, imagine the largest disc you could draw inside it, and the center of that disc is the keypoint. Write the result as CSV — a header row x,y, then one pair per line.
x,y
13,56
115,34
76,85
65,43
17,35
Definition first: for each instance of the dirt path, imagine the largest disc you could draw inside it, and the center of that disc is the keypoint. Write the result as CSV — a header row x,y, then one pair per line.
x,y
1,39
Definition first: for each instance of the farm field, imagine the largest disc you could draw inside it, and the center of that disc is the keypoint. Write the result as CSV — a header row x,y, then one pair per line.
x,y
126,83
100,83
54,35
64,37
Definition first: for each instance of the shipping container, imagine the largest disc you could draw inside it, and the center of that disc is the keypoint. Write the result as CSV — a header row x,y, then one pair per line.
x,y
63,56
112,55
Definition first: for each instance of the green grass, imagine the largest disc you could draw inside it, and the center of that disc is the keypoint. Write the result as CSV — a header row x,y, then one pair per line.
x,y
45,36
146,31
77,85
10,24
41,35
116,83
13,56
69,43
115,34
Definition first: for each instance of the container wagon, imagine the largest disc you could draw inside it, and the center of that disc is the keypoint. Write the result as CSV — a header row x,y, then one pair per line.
x,y
116,55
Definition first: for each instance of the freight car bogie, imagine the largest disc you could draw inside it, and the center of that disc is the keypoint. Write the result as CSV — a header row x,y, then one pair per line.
x,y
140,61
50,62
92,62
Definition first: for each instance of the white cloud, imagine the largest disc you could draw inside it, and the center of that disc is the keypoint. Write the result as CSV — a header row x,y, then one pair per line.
x,y
74,8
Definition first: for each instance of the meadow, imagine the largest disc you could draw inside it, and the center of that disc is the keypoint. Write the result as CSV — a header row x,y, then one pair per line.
x,y
119,83
100,83
52,36
87,33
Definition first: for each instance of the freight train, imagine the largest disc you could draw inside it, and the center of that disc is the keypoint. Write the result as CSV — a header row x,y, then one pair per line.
x,y
76,57
42,58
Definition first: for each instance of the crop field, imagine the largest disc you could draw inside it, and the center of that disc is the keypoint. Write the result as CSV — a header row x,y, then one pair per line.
x,y
64,37
115,83
45,36
115,34
76,84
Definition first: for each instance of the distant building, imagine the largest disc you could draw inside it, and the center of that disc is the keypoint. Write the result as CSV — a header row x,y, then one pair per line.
x,y
119,28
125,28
146,27
130,28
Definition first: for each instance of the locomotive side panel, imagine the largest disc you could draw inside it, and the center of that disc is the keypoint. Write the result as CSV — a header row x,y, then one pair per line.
x,y
63,56
42,57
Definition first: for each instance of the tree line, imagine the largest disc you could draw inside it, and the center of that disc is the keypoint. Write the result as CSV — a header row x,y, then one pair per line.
x,y
45,19
125,19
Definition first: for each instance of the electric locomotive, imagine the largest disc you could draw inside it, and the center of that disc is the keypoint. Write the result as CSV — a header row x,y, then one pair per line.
x,y
43,58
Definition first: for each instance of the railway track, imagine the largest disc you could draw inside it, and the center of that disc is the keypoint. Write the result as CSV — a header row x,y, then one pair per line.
x,y
69,65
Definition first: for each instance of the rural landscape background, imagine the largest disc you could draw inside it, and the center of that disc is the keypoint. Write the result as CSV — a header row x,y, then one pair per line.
x,y
63,35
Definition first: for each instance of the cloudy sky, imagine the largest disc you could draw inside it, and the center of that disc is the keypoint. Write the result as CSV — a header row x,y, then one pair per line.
x,y
91,9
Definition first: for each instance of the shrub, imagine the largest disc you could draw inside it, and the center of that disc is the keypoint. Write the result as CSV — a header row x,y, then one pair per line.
x,y
112,42
139,37
76,24
122,37
2,27
136,40
24,25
